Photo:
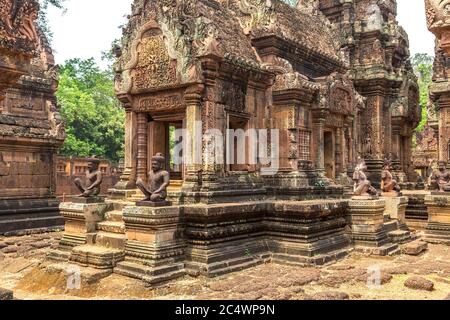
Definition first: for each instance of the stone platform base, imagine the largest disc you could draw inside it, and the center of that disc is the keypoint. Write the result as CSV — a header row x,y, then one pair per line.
x,y
369,229
29,214
152,204
76,274
150,275
389,249
319,260
438,227
401,236
96,256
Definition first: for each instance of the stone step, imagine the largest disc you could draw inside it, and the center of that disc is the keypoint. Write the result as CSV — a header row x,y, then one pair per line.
x,y
58,255
96,256
399,236
138,268
389,249
115,216
234,265
391,225
150,275
164,277
111,240
111,226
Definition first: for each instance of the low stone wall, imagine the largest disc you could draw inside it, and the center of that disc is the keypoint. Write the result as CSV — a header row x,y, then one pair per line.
x,y
225,238
65,186
26,214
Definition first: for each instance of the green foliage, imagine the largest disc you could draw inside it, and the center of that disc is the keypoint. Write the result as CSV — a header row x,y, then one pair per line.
x,y
95,119
42,18
423,68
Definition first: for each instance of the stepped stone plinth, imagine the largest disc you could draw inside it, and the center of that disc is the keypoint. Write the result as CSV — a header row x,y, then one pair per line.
x,y
366,218
80,226
438,227
154,250
395,208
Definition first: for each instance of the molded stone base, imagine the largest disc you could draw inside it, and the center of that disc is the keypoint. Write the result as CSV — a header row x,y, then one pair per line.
x,y
438,227
86,200
96,256
78,273
152,204
369,235
28,214
389,249
150,275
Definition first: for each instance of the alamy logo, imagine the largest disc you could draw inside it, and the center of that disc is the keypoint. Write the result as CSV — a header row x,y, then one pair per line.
x,y
73,278
235,147
374,277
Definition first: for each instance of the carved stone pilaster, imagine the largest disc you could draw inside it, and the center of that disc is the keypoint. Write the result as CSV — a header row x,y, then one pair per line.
x,y
319,118
142,146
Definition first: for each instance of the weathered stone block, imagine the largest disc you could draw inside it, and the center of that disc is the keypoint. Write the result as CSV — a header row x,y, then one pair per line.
x,y
80,220
438,227
366,218
396,207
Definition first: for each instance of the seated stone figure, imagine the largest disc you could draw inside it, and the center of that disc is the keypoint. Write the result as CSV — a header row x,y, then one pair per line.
x,y
362,186
94,179
159,181
388,183
441,177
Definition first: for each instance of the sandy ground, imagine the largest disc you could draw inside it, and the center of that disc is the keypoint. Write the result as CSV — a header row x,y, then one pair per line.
x,y
356,277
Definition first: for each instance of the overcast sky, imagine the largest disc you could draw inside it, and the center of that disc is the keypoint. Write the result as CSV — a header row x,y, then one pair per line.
x,y
89,27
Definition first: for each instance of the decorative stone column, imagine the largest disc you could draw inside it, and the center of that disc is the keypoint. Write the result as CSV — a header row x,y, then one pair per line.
x,y
373,120
128,177
319,118
340,153
193,140
142,146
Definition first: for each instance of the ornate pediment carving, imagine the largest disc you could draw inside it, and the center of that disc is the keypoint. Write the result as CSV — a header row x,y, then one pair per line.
x,y
18,40
17,24
154,68
438,20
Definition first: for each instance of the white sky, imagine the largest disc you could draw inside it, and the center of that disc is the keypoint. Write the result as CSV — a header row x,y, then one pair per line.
x,y
89,27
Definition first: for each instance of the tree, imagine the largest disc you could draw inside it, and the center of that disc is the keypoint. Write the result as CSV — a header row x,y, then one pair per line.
x,y
94,117
423,68
42,18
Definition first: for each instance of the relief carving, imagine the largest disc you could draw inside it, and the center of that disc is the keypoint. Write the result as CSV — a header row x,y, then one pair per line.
x,y
155,68
166,102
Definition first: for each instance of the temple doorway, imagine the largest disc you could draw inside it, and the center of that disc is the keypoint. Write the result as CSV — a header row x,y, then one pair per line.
x,y
328,147
163,139
239,156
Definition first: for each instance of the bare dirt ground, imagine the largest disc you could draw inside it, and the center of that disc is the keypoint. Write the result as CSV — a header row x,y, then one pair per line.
x,y
21,270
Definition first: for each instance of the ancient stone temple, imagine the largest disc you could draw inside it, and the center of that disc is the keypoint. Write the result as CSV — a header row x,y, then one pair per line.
x,y
437,15
30,125
321,99
308,95
377,50
438,226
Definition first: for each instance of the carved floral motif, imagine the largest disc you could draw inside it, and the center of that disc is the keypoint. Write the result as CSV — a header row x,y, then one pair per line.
x,y
155,68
